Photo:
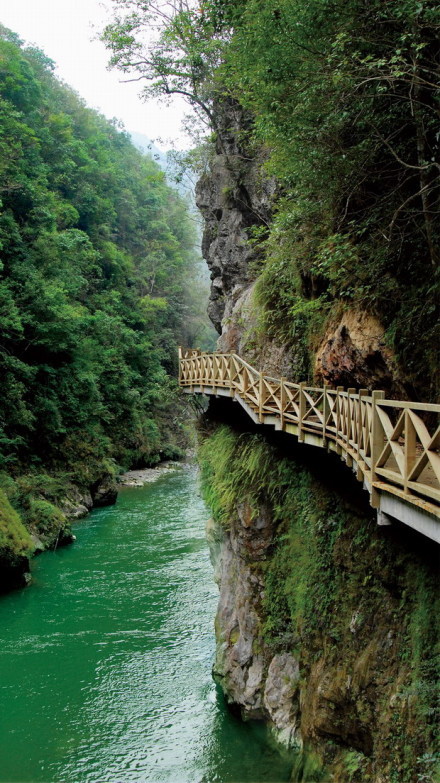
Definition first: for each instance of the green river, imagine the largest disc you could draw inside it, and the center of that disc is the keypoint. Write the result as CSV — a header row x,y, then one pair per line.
x,y
105,660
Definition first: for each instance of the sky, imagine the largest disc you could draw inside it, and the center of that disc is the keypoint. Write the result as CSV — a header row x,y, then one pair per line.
x,y
65,30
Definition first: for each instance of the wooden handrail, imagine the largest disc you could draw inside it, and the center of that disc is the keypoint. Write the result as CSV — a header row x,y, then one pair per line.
x,y
389,443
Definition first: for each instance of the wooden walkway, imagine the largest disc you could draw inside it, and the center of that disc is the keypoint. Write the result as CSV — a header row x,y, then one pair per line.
x,y
392,446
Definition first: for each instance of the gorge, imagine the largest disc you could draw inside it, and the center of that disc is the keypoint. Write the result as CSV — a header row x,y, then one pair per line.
x,y
319,188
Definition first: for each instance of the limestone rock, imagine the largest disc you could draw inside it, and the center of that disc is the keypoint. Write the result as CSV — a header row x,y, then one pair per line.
x,y
215,538
77,503
281,698
239,665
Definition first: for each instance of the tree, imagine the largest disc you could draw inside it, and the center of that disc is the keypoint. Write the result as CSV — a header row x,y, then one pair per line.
x,y
172,46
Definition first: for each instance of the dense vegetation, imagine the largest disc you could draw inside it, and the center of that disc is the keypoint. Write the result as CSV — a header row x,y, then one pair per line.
x,y
98,272
327,566
96,254
344,97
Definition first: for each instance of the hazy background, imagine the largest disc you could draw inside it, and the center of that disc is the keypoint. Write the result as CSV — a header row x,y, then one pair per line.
x,y
67,31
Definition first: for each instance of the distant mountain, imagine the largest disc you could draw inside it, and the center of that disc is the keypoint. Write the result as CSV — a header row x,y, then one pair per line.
x,y
145,145
182,183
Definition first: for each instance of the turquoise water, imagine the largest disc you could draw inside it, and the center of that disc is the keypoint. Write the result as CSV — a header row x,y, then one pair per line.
x,y
105,661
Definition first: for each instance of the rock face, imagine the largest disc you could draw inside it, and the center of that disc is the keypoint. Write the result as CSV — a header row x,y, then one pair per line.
x,y
325,627
281,698
77,503
236,201
353,353
233,199
260,684
14,572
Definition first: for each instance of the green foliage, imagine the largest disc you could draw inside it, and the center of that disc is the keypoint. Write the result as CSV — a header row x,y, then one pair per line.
x,y
353,763
96,278
181,54
284,313
232,468
308,768
344,94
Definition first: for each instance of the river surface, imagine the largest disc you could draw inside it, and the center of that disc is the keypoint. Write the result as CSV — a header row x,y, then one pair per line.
x,y
105,660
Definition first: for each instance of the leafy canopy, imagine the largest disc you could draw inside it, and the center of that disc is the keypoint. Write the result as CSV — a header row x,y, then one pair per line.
x,y
97,271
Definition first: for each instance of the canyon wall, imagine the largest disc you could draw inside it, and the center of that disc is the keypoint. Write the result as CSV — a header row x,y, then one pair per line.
x,y
324,626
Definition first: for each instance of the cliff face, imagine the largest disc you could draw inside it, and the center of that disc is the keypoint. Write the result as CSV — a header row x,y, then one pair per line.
x,y
326,624
264,686
234,199
343,686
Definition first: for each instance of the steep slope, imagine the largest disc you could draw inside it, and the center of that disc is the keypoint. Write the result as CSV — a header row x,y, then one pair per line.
x,y
97,274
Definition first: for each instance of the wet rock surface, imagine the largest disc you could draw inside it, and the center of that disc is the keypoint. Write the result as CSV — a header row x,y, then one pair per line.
x,y
77,503
238,668
281,697
104,492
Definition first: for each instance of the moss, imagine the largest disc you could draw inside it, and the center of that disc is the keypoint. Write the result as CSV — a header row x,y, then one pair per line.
x,y
15,540
45,518
309,768
234,636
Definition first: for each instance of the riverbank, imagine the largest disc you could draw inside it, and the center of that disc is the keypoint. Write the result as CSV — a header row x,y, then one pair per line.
x,y
37,513
138,478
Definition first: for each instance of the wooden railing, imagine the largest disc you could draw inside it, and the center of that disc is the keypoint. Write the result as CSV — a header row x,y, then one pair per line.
x,y
392,445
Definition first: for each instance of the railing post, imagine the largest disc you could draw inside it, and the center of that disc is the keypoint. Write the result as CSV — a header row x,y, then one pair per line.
x,y
245,379
359,472
282,401
377,444
349,458
191,369
302,410
410,445
180,365
338,419
232,385
325,415
222,371
260,398
214,373
201,369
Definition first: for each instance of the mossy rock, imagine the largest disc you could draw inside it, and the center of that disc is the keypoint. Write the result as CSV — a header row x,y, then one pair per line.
x,y
48,522
14,538
16,546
